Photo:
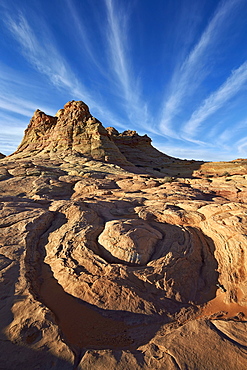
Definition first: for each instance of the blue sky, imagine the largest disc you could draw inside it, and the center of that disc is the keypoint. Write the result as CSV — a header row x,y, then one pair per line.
x,y
173,69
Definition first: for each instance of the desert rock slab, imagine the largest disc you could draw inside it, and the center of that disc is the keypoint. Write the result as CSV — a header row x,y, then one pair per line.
x,y
130,241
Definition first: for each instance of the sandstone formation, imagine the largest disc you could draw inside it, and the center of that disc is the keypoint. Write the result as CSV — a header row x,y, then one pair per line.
x,y
72,131
114,255
130,241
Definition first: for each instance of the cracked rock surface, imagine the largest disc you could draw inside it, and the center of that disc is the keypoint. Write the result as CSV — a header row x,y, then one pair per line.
x,y
108,260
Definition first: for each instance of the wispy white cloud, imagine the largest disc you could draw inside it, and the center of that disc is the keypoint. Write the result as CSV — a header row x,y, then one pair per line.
x,y
9,143
13,106
242,146
103,56
193,70
39,50
43,55
11,132
117,38
85,44
217,99
198,153
229,133
117,35
11,95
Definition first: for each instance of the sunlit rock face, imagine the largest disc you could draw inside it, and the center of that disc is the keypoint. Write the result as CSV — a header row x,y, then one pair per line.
x,y
130,241
111,247
73,130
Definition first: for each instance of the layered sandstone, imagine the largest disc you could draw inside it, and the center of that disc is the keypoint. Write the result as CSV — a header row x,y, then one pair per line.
x,y
138,149
72,131
105,267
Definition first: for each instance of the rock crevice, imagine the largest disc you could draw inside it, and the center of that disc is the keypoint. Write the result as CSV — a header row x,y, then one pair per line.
x,y
115,251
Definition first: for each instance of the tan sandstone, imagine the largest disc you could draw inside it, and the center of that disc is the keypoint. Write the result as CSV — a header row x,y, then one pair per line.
x,y
114,255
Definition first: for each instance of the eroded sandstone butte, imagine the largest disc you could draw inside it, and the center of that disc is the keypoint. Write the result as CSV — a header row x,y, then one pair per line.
x,y
114,255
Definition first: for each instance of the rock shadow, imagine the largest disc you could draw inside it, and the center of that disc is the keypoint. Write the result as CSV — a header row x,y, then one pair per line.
x,y
85,326
188,280
19,353
191,274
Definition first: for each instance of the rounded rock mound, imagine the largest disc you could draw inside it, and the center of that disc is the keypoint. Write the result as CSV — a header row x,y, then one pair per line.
x,y
128,241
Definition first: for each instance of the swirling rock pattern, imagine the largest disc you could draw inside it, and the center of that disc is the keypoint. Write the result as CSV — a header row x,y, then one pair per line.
x,y
97,257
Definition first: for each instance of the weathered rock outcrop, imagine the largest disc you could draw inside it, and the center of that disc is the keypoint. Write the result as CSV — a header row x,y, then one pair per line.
x,y
73,130
102,267
138,149
129,241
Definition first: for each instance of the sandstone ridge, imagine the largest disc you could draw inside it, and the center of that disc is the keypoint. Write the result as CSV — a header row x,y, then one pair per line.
x,y
114,255
75,132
